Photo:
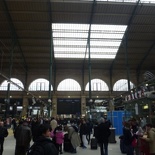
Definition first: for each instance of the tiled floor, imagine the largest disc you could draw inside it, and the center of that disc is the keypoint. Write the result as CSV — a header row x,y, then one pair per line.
x,y
9,147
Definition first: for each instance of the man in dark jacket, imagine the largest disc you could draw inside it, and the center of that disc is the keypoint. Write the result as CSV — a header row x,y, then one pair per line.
x,y
128,138
23,137
43,142
83,133
102,135
34,128
3,134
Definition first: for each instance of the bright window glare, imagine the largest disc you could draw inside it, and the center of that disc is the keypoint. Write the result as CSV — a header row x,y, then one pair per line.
x,y
14,83
69,85
39,85
70,40
97,85
122,85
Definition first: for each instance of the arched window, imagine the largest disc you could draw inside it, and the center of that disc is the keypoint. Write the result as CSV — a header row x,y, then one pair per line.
x,y
97,85
40,85
122,85
15,85
69,85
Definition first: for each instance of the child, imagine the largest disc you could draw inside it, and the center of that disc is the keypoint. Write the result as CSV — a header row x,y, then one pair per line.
x,y
59,135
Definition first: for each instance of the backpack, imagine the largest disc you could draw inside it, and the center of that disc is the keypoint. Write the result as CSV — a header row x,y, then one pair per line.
x,y
36,149
3,132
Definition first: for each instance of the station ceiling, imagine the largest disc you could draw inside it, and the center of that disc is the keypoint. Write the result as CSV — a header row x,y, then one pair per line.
x,y
62,32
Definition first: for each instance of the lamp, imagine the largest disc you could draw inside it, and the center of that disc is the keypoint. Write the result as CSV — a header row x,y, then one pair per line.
x,y
49,101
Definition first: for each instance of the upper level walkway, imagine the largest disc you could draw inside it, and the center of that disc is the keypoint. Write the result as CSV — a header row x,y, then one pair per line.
x,y
113,149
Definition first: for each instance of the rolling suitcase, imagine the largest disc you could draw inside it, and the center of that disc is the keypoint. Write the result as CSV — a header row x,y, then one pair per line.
x,y
93,144
67,146
122,145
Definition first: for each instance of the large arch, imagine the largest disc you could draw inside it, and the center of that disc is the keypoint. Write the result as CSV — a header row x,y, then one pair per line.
x,y
15,85
39,85
97,85
69,85
122,85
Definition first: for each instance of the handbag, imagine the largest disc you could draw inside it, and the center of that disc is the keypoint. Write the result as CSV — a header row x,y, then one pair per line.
x,y
134,142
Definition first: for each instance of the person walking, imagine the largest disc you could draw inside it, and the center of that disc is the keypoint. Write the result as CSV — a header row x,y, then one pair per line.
x,y
3,134
102,135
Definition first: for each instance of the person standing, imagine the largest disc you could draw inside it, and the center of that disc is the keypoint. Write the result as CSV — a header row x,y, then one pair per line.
x,y
3,134
89,130
43,141
73,137
59,137
53,123
102,135
128,138
34,128
23,137
83,133
150,138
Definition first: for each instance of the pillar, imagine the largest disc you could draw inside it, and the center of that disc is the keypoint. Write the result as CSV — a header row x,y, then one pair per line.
x,y
83,106
25,107
54,106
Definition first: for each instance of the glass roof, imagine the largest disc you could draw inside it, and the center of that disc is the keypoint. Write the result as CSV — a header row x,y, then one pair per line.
x,y
121,1
130,1
71,40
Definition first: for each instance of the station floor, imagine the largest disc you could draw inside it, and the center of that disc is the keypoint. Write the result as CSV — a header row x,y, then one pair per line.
x,y
113,148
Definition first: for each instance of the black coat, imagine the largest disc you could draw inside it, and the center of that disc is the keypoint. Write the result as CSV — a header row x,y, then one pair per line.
x,y
102,133
83,129
34,129
48,146
127,136
3,133
23,135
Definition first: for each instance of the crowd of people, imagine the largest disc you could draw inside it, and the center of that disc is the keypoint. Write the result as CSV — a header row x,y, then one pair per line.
x,y
134,134
49,135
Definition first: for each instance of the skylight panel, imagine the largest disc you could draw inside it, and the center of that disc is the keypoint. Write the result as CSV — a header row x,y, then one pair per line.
x,y
105,43
80,56
110,28
106,36
70,35
101,56
147,1
70,40
131,1
104,50
65,49
70,26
